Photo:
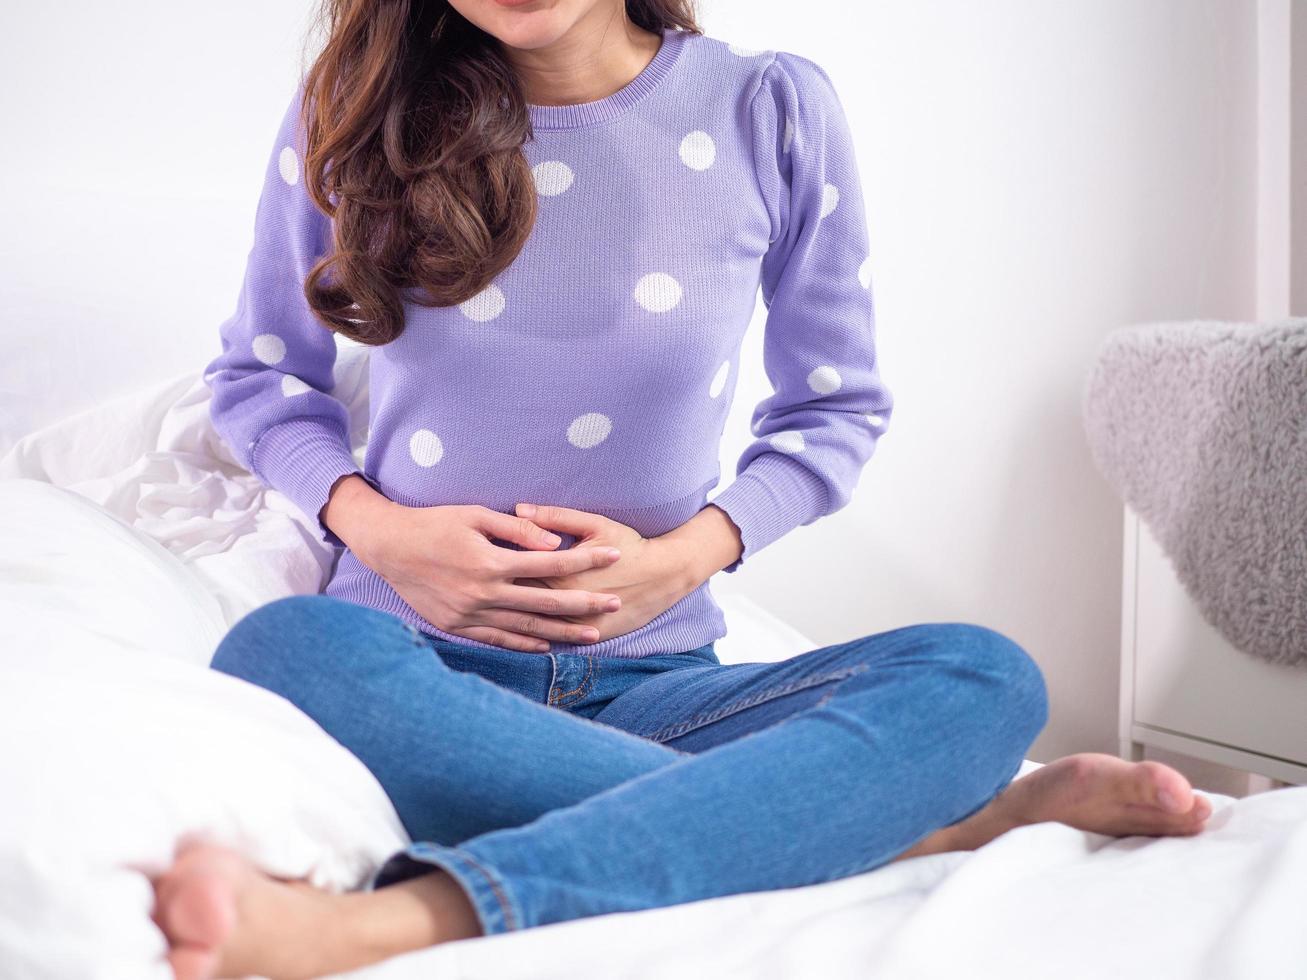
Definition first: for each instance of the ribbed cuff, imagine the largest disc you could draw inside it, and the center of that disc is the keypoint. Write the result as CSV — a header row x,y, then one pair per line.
x,y
302,458
771,497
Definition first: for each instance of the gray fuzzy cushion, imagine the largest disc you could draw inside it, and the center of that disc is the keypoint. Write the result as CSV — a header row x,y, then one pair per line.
x,y
1201,427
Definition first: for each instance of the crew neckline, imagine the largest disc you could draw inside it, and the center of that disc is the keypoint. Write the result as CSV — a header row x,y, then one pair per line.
x,y
579,114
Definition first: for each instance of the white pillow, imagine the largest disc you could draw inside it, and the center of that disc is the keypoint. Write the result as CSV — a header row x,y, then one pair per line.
x,y
116,744
70,569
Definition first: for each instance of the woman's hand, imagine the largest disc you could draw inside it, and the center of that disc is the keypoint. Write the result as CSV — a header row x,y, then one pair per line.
x,y
441,562
652,573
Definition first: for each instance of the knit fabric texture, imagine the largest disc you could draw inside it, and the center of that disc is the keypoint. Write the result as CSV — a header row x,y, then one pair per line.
x,y
596,371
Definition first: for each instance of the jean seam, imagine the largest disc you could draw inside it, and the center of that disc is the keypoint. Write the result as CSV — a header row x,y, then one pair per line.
x,y
581,689
505,908
460,860
722,711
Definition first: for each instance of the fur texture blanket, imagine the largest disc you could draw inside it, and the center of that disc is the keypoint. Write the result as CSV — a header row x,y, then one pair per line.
x,y
1201,427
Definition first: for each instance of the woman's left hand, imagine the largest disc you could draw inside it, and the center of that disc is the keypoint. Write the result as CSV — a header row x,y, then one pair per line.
x,y
650,577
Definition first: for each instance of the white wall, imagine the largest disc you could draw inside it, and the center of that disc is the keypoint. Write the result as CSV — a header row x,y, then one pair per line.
x,y
1298,155
1036,173
1282,158
137,135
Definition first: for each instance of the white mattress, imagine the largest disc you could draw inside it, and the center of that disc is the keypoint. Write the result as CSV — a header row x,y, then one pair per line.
x,y
160,541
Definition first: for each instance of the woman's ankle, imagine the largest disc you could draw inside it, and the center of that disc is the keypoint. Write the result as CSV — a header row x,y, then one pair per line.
x,y
410,915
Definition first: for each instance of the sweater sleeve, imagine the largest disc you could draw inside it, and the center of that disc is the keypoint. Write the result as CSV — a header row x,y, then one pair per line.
x,y
829,406
272,383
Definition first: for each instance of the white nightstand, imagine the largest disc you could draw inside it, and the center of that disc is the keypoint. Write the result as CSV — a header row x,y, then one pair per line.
x,y
1184,688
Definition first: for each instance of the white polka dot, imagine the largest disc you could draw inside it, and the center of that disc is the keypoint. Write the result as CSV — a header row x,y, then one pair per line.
x,y
825,379
485,305
552,177
698,150
292,386
268,348
425,447
743,52
719,380
875,420
830,196
789,134
657,292
288,164
589,430
864,273
789,441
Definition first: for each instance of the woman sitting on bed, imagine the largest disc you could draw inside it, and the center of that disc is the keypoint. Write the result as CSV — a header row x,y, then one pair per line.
x,y
551,219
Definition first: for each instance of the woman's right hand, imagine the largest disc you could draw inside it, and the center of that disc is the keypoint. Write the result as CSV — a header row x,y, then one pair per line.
x,y
442,563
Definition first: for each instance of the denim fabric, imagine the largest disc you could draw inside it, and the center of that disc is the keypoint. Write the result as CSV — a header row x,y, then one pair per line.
x,y
553,787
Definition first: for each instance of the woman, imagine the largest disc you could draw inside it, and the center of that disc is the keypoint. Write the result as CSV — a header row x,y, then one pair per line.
x,y
550,218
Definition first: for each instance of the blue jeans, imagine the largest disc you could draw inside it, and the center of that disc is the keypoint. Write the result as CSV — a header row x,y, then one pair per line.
x,y
553,787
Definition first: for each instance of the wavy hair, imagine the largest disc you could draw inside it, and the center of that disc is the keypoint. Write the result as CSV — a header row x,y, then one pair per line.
x,y
415,122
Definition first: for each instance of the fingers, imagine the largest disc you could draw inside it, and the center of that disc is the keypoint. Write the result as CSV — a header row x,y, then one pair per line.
x,y
555,564
524,617
554,602
503,638
575,522
518,530
537,625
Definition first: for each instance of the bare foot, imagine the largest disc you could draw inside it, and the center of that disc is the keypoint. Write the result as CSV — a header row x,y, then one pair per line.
x,y
1089,791
1106,795
225,918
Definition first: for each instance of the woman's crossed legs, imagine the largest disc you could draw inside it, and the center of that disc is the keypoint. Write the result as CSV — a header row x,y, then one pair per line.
x,y
660,781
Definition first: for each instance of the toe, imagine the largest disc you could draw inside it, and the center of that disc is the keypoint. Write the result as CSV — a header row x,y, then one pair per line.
x,y
200,911
193,963
1159,785
195,908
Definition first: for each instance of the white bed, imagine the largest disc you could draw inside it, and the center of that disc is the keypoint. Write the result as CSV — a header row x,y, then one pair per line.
x,y
130,540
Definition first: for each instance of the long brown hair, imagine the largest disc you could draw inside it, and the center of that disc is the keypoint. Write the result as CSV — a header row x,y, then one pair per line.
x,y
415,123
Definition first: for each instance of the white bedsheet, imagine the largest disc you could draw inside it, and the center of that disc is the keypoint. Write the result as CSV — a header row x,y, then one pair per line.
x,y
205,542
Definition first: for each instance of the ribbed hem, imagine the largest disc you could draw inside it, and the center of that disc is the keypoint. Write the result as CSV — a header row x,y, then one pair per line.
x,y
774,495
496,911
694,621
302,458
601,110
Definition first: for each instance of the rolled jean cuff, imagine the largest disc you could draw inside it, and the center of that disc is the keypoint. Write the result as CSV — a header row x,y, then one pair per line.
x,y
490,899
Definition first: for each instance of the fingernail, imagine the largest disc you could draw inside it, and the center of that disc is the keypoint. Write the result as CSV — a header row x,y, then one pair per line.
x,y
614,603
526,510
551,539
613,553
589,634
542,647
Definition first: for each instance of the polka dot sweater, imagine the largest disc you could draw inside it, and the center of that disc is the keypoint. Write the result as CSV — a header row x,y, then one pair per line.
x,y
596,371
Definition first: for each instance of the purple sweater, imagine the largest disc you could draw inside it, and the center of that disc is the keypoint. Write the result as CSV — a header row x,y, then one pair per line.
x,y
596,371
